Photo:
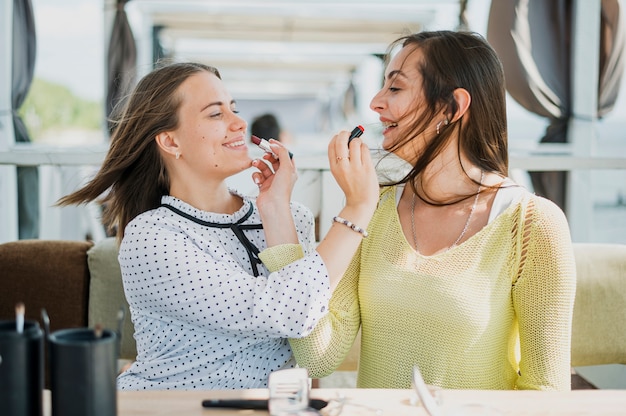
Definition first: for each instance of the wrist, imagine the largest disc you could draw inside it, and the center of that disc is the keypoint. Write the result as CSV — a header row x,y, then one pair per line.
x,y
354,227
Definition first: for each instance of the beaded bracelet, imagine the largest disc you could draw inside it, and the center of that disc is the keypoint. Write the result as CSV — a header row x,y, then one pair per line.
x,y
352,226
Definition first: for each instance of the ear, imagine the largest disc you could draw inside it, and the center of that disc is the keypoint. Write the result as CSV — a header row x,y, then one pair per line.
x,y
463,100
167,143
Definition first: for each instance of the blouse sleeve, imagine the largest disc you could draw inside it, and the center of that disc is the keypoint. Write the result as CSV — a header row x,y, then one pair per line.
x,y
543,298
173,276
322,351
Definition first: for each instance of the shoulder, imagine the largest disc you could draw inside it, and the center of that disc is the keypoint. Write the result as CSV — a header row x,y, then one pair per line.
x,y
152,225
387,193
541,209
148,219
545,225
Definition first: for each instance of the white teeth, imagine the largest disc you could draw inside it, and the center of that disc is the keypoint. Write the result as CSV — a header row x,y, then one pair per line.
x,y
235,144
390,124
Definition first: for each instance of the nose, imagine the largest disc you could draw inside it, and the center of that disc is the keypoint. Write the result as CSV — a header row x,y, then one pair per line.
x,y
377,103
237,123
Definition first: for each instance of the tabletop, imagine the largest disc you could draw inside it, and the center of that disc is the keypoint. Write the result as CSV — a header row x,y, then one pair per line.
x,y
382,402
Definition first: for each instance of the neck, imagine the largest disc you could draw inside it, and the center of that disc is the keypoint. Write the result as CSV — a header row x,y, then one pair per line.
x,y
448,177
442,184
210,198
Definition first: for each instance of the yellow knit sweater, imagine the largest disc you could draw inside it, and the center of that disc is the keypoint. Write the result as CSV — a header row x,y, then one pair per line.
x,y
494,312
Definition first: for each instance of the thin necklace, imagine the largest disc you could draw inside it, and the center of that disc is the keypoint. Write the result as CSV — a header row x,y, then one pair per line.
x,y
469,217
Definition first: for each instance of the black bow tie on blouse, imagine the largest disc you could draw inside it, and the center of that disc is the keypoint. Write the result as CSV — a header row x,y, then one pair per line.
x,y
237,227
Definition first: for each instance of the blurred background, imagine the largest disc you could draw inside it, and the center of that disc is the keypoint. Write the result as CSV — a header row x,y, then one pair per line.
x,y
315,65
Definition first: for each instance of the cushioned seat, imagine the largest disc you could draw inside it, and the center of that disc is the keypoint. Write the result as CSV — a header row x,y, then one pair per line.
x,y
599,324
106,294
46,274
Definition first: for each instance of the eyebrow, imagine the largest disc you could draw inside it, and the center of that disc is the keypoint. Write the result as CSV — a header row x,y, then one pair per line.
x,y
395,73
218,103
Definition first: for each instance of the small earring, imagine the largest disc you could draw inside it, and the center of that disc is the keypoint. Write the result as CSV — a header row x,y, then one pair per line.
x,y
177,155
445,123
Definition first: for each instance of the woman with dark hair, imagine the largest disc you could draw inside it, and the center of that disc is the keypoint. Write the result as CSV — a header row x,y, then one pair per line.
x,y
465,274
216,281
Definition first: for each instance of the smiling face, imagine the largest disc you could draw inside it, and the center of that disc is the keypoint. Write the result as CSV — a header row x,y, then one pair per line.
x,y
401,101
210,136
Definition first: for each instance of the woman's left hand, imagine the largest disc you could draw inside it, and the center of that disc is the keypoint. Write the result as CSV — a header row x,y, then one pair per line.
x,y
276,179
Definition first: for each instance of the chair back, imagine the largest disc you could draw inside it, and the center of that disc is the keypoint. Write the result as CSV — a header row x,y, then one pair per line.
x,y
599,322
46,274
106,294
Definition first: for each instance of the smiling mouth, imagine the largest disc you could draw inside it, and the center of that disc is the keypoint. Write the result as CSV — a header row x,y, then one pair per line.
x,y
236,144
388,126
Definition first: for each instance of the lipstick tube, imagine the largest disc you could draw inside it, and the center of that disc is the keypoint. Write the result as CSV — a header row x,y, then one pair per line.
x,y
264,145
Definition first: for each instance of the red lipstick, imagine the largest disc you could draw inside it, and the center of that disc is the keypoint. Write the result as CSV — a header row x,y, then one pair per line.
x,y
357,132
264,145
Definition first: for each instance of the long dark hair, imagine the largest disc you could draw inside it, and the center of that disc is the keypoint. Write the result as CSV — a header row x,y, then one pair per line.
x,y
133,176
459,60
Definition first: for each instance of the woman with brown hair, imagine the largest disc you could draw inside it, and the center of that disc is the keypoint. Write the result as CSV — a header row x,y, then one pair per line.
x,y
216,281
465,274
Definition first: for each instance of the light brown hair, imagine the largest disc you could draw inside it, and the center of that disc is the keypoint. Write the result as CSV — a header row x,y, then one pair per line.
x,y
454,60
133,176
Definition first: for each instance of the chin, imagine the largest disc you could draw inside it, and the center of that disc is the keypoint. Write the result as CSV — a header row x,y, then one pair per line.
x,y
387,143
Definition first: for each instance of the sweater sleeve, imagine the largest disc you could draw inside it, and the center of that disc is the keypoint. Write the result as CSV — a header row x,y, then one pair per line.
x,y
279,256
543,298
324,349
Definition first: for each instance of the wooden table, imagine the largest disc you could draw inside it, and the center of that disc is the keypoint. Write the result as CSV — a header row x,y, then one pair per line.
x,y
390,402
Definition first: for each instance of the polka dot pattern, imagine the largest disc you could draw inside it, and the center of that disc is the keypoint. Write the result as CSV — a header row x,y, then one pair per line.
x,y
202,319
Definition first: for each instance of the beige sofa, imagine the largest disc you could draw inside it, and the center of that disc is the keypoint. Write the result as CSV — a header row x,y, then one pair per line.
x,y
80,284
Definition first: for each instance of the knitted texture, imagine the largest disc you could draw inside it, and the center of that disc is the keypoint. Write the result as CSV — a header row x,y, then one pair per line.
x,y
277,257
494,312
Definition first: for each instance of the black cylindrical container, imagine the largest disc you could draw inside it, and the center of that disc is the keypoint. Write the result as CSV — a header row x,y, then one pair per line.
x,y
83,370
21,369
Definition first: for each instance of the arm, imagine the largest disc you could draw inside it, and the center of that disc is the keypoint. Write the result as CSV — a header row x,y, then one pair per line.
x,y
543,298
326,347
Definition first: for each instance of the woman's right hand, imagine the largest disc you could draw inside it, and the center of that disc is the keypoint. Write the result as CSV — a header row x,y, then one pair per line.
x,y
354,171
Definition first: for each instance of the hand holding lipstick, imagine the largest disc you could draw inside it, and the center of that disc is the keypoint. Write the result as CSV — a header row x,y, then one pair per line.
x,y
354,171
353,168
264,145
356,132
277,173
276,179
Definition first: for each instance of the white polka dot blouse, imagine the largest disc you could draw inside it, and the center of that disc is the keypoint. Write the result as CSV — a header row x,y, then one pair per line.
x,y
207,313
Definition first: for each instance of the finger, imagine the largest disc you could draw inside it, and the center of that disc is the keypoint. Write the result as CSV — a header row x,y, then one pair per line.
x,y
280,150
263,168
338,149
366,155
271,160
358,149
258,178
